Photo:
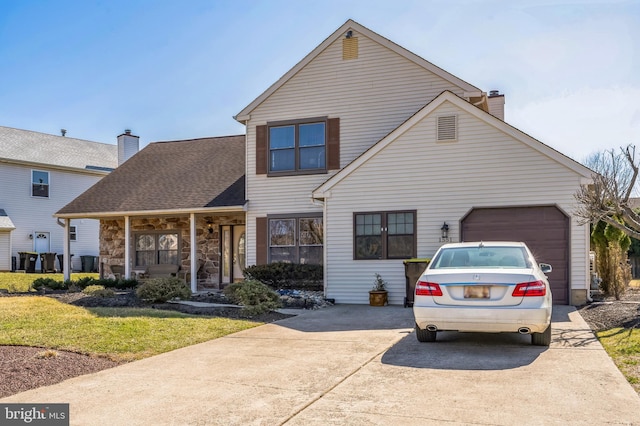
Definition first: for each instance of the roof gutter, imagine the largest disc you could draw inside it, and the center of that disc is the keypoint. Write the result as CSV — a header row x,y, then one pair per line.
x,y
159,212
55,167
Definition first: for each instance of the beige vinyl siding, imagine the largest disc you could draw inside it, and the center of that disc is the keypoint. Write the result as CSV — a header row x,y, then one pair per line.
x,y
34,214
372,95
442,181
5,251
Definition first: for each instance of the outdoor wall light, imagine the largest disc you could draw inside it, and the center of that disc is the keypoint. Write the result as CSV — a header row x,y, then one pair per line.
x,y
31,236
445,231
210,227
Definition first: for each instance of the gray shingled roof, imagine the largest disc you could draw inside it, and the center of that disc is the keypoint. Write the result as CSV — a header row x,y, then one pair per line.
x,y
190,174
5,221
35,147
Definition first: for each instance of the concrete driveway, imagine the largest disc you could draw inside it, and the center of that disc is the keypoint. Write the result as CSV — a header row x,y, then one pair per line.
x,y
359,365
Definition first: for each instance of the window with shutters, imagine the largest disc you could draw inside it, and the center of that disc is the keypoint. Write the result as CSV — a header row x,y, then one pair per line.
x,y
307,146
447,128
384,235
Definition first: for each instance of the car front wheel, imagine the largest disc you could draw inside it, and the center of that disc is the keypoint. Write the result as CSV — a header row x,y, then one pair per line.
x,y
425,335
542,339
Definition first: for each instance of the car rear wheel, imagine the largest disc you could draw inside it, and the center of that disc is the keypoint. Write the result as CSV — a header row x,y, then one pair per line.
x,y
425,335
542,339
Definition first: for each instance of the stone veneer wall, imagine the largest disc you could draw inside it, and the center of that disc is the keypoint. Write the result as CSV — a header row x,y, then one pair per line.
x,y
112,240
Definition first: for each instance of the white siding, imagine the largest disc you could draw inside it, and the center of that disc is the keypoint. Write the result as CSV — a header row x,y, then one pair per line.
x,y
35,214
443,182
372,95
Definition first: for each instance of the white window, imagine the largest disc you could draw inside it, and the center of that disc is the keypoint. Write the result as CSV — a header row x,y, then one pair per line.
x,y
39,184
73,233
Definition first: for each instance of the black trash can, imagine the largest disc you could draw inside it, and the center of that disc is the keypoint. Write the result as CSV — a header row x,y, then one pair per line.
x,y
87,263
30,262
61,261
47,262
413,268
23,259
14,262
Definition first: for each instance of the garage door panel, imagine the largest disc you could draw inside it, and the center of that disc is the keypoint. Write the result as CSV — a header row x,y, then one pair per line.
x,y
545,229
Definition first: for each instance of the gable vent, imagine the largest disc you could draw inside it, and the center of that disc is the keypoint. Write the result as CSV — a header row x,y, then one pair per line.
x,y
350,48
447,128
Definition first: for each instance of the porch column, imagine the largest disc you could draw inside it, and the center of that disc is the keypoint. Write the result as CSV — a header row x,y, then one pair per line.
x,y
66,251
127,248
194,261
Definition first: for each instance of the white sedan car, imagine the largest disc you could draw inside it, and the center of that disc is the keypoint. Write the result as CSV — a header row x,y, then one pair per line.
x,y
491,287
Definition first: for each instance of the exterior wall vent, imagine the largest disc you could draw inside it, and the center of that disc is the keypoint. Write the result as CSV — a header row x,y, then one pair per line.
x,y
350,48
447,128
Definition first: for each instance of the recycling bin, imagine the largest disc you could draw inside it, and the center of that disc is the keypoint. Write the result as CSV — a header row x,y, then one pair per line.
x,y
28,261
47,262
87,263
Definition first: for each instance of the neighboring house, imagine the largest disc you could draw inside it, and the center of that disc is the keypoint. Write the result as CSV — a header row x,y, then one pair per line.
x,y
356,159
40,173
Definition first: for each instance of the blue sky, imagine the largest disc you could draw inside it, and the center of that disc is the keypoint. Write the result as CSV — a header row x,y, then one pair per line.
x,y
570,70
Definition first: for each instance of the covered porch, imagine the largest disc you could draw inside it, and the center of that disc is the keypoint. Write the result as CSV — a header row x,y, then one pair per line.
x,y
134,242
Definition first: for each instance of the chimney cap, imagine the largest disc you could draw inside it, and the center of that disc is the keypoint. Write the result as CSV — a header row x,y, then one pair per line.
x,y
494,93
127,131
63,132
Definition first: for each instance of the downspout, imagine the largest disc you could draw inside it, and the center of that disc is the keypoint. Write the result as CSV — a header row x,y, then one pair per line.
x,y
127,247
323,203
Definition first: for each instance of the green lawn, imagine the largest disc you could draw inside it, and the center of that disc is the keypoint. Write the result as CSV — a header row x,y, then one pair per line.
x,y
122,334
18,282
623,346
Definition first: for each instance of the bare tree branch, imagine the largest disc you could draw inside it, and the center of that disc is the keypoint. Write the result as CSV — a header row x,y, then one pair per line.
x,y
608,198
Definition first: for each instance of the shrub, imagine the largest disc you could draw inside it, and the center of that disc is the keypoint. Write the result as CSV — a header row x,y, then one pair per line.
x,y
281,275
84,282
162,289
98,291
50,283
255,297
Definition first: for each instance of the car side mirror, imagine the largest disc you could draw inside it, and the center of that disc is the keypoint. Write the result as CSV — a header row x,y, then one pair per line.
x,y
546,268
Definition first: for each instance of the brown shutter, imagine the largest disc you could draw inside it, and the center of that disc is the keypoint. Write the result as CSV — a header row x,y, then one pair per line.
x,y
261,150
333,142
262,257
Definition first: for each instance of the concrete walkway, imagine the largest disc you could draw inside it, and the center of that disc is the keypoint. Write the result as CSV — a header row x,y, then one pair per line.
x,y
358,365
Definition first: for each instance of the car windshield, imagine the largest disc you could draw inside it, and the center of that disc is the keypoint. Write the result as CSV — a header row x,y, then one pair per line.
x,y
481,257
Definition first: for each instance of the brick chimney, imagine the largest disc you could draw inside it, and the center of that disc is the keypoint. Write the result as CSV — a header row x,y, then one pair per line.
x,y
496,104
128,145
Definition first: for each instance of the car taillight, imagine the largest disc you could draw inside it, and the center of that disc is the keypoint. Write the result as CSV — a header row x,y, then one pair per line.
x,y
534,288
424,288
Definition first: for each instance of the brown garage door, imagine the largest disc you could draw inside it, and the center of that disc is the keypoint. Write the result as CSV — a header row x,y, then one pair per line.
x,y
545,229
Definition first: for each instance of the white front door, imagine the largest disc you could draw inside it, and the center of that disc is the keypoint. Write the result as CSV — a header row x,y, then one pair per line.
x,y
41,244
